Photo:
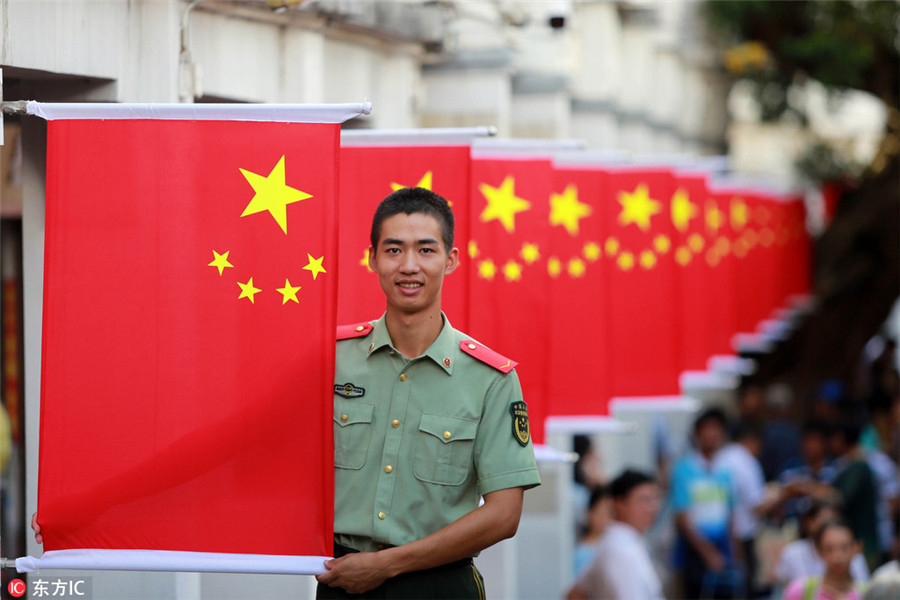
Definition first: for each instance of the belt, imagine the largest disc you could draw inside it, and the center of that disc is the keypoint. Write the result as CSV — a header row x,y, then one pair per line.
x,y
340,551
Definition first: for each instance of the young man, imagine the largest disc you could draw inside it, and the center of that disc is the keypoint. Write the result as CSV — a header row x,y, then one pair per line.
x,y
702,499
622,568
426,421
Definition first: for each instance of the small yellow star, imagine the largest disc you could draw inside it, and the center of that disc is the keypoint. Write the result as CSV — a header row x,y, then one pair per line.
x,y
272,194
248,291
503,204
647,259
512,271
696,243
638,207
751,237
566,210
487,269
625,261
220,261
683,256
592,251
315,266
576,267
712,257
723,246
425,182
662,244
611,246
554,267
289,292
530,253
683,210
473,249
741,248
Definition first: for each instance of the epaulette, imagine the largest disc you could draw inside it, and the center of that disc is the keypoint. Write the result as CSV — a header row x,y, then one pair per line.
x,y
487,356
355,330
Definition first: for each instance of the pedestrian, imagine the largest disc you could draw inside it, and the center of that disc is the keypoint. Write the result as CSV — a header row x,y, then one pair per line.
x,y
836,545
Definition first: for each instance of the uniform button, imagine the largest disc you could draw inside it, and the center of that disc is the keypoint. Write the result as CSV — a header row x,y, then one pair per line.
x,y
388,469
472,346
402,376
447,435
395,423
382,516
359,327
344,418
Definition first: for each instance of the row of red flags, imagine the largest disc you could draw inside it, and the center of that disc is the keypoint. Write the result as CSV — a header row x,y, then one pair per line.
x,y
602,280
195,271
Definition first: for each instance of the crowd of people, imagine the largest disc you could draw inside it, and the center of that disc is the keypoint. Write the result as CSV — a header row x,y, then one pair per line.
x,y
771,500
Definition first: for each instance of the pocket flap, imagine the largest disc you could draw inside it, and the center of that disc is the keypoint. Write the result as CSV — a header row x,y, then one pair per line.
x,y
448,429
352,413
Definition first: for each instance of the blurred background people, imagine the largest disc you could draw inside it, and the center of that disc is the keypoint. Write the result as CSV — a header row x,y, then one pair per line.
x,y
836,545
622,568
599,514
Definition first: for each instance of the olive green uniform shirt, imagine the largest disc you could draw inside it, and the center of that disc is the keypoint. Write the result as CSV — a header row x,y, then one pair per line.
x,y
418,441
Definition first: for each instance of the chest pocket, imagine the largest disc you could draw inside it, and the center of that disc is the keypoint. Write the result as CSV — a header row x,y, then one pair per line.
x,y
352,432
444,449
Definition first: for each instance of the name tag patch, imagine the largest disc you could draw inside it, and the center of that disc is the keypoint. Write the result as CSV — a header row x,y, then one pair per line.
x,y
348,390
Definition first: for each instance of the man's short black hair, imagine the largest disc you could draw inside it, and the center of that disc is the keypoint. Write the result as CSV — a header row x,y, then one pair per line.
x,y
711,414
629,479
415,200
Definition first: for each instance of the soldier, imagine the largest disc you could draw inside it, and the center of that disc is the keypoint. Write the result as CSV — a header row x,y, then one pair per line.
x,y
426,421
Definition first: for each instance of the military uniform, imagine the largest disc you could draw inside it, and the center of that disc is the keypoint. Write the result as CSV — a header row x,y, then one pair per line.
x,y
419,441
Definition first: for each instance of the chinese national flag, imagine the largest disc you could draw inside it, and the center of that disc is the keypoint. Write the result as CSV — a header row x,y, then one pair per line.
x,y
695,279
368,174
509,306
579,339
188,336
717,254
643,299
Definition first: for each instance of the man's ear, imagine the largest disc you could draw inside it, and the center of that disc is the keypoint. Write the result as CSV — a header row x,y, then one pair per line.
x,y
371,255
452,261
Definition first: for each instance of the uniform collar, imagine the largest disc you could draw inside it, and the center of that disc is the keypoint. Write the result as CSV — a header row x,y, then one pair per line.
x,y
443,351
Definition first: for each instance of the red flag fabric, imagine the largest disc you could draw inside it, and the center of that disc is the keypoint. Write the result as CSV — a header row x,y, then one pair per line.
x,y
718,257
368,174
188,340
578,300
509,306
643,300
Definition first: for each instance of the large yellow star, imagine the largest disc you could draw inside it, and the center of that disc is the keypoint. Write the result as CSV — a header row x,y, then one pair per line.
x,y
220,261
683,210
638,207
530,253
566,210
315,266
503,204
713,216
289,292
487,269
364,261
272,194
248,291
425,182
739,213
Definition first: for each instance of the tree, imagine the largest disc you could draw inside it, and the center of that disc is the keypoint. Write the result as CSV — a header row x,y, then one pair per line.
x,y
844,45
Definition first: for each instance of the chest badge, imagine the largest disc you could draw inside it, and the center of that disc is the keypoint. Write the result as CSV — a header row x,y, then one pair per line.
x,y
519,412
348,390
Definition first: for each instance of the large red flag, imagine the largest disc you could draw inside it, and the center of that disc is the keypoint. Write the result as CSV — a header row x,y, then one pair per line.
x,y
509,307
188,341
578,300
643,299
372,166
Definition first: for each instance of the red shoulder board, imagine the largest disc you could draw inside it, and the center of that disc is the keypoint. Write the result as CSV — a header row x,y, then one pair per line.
x,y
345,332
487,356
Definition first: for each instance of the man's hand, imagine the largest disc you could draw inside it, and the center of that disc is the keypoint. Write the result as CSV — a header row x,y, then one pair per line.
x,y
712,558
356,573
37,529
